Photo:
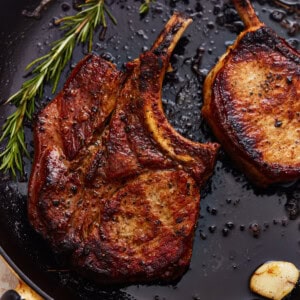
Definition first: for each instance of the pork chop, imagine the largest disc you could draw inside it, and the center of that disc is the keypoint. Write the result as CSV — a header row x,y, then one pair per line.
x,y
252,102
113,185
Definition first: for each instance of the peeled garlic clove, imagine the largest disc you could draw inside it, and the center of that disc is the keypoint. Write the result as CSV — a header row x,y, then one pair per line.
x,y
275,279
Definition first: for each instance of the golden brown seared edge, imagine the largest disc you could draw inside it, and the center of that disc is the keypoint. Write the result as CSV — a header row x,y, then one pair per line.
x,y
113,184
198,158
251,101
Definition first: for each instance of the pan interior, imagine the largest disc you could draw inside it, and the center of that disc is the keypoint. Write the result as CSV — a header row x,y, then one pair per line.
x,y
239,227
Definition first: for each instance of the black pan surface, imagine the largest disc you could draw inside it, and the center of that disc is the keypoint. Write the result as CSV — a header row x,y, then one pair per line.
x,y
240,226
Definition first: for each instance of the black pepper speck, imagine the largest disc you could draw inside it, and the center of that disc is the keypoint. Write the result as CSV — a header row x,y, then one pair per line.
x,y
55,203
278,123
289,79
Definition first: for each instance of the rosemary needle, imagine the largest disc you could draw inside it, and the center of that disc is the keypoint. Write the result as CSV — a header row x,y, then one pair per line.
x,y
145,6
78,28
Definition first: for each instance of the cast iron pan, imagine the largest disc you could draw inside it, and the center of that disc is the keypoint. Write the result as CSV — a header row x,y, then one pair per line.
x,y
240,226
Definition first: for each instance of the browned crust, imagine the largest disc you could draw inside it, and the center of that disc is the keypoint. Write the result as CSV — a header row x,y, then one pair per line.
x,y
122,203
49,127
219,112
161,217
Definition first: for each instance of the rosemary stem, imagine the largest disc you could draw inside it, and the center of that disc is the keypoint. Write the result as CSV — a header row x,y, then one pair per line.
x,y
78,28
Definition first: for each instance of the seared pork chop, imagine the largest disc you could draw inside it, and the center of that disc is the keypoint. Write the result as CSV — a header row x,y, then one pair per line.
x,y
113,185
252,102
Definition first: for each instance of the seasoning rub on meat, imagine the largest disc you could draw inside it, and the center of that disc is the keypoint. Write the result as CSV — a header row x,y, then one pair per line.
x,y
113,185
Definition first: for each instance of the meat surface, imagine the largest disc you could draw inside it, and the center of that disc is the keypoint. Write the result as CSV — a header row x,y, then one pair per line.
x,y
113,186
252,102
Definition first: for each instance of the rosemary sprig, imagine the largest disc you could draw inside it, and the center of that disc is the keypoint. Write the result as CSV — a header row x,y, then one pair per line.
x,y
145,6
78,28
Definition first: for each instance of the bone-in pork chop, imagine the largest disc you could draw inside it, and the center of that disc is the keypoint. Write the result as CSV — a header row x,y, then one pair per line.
x,y
252,102
113,185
